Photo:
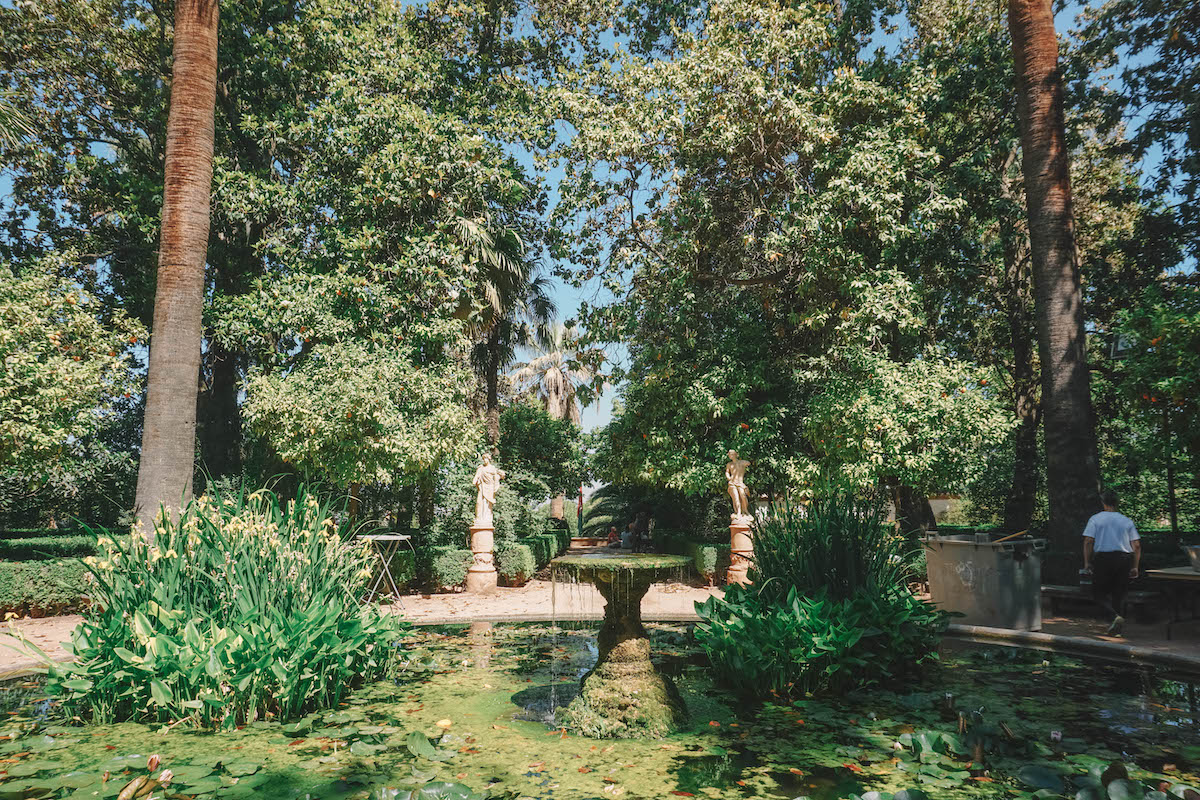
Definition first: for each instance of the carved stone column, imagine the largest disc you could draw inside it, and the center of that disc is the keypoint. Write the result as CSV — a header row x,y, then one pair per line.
x,y
741,550
481,577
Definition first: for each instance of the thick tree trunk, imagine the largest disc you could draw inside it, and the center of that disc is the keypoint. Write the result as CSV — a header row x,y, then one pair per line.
x,y
169,435
914,514
220,421
1021,501
1072,472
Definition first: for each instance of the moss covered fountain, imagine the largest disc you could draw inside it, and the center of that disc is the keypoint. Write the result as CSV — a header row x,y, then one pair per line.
x,y
623,695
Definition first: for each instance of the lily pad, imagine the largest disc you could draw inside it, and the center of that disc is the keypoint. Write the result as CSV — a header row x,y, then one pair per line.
x,y
27,768
240,768
1125,789
419,745
1040,777
203,786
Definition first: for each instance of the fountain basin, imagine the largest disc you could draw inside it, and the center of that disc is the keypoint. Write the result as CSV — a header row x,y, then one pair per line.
x,y
623,696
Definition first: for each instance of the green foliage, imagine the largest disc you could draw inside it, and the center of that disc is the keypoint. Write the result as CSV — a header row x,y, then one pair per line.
x,y
447,566
36,548
837,543
704,517
817,643
535,443
927,423
44,587
246,606
515,563
353,414
65,368
829,608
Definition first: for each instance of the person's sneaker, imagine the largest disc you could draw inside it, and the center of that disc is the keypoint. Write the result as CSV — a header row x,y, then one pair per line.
x,y
1115,628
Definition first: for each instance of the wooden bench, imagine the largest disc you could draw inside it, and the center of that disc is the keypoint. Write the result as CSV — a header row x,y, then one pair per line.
x,y
1146,602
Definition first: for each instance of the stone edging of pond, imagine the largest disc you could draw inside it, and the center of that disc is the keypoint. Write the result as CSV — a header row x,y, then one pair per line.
x,y
1075,645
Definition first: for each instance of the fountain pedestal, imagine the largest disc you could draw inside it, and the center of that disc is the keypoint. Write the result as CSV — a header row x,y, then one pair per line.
x,y
741,550
623,696
481,576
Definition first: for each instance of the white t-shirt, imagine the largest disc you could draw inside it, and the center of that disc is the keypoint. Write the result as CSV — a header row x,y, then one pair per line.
x,y
1112,532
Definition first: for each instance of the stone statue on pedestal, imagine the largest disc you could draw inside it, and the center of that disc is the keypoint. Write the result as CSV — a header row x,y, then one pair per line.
x,y
735,475
487,481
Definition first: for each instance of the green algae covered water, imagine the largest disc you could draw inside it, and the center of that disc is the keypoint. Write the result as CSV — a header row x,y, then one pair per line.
x,y
475,707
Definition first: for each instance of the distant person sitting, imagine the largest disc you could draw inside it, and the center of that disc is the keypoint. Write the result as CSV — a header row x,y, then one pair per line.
x,y
614,538
627,537
1112,551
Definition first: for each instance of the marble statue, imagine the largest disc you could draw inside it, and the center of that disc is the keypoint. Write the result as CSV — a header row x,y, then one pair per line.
x,y
487,481
735,474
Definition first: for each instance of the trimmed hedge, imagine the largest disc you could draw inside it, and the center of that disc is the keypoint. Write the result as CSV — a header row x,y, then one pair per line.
x,y
448,566
42,588
31,533
40,548
515,563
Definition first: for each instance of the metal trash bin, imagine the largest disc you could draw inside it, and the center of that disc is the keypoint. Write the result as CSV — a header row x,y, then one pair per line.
x,y
994,584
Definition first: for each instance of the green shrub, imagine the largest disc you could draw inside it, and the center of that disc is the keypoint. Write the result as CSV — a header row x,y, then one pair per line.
x,y
448,566
41,588
246,607
515,563
829,608
541,547
36,548
709,559
815,644
38,533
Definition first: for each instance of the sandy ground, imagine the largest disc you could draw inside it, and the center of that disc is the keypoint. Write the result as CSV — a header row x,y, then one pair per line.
x,y
541,600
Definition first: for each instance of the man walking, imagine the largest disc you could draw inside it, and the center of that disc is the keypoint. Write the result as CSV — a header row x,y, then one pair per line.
x,y
1112,551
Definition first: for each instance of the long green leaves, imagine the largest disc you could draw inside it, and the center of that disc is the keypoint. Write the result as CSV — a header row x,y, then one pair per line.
x,y
837,544
829,608
246,608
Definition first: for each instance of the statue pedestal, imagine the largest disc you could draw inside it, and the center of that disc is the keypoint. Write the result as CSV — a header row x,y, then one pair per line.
x,y
481,577
741,549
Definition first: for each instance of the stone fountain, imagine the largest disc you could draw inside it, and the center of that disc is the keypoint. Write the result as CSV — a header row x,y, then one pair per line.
x,y
624,695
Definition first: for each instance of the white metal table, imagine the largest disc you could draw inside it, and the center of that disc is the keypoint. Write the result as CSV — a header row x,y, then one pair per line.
x,y
385,545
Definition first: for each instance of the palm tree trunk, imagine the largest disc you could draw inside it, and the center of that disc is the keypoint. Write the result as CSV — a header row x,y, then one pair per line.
x,y
169,435
493,386
1072,472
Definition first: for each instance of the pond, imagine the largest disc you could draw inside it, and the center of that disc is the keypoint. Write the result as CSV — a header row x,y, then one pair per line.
x,y
475,706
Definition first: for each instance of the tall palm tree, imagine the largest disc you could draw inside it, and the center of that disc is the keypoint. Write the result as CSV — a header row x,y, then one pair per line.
x,y
1072,471
169,435
555,374
512,302
15,125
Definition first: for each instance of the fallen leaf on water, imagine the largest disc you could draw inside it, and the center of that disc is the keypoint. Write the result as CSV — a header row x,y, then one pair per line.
x,y
609,780
295,742
460,776
537,765
444,723
682,794
585,769
983,779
